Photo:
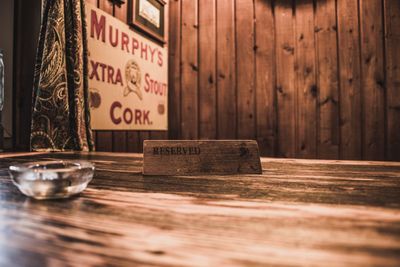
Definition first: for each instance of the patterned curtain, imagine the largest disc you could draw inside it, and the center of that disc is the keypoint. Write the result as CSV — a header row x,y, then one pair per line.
x,y
61,115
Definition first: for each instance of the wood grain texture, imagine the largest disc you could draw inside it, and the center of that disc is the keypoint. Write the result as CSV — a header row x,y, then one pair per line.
x,y
201,157
246,121
392,55
106,6
328,84
307,90
265,77
373,79
121,12
174,70
119,141
143,135
286,78
104,141
189,70
133,141
158,135
350,79
226,70
327,79
207,70
349,58
298,212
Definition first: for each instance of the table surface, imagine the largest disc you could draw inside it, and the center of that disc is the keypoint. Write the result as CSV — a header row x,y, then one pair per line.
x,y
298,212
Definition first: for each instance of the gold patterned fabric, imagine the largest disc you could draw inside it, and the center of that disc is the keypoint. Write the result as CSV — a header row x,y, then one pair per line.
x,y
61,115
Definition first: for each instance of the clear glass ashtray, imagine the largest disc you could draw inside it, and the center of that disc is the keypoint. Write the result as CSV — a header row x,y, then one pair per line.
x,y
52,179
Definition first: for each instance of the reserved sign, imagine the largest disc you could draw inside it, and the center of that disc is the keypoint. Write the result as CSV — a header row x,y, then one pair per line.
x,y
179,150
201,157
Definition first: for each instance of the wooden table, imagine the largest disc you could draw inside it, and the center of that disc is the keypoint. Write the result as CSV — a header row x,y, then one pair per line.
x,y
299,212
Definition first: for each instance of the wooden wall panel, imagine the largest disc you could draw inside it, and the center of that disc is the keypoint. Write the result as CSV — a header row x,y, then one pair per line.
x,y
372,79
246,120
119,141
207,70
307,91
104,141
327,79
226,70
265,77
304,78
121,12
158,135
189,72
286,78
106,6
143,135
392,56
350,79
174,70
132,141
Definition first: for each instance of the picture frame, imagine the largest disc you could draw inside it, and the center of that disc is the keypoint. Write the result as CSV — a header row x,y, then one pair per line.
x,y
148,17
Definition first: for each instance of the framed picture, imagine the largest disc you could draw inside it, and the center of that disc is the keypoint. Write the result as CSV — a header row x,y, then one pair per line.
x,y
147,16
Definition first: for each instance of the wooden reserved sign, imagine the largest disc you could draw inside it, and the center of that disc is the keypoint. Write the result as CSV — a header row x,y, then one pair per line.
x,y
201,157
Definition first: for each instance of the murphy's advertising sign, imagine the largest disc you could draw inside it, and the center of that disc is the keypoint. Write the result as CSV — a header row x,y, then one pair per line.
x,y
127,76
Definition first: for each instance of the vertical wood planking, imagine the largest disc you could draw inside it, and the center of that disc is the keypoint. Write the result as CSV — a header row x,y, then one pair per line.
x,y
106,6
226,71
143,135
372,83
308,74
327,78
286,77
133,141
207,65
104,141
174,69
350,78
392,51
121,12
307,91
189,71
245,69
265,77
159,135
119,141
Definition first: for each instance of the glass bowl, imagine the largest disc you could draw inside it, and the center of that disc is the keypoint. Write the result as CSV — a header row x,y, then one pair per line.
x,y
52,179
